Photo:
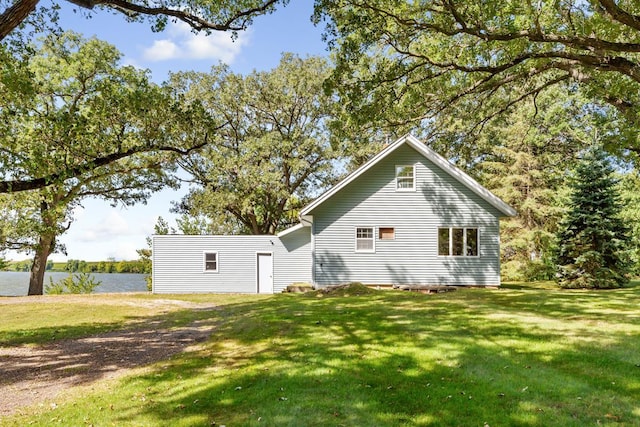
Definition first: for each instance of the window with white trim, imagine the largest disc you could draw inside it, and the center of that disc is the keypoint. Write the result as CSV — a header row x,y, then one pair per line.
x,y
364,239
405,178
458,241
210,262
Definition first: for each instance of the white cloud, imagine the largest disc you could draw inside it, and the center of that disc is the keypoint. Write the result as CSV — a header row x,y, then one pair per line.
x,y
161,50
110,227
123,251
184,44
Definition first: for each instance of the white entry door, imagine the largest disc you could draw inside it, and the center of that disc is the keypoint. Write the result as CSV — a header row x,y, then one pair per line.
x,y
265,273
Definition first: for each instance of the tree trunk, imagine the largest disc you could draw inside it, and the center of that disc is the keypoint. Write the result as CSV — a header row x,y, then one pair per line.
x,y
15,15
36,278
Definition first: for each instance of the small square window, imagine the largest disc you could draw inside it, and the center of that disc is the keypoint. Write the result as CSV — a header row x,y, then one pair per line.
x,y
211,262
364,239
405,178
386,233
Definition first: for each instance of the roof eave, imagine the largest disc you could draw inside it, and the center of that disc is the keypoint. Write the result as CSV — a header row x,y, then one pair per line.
x,y
353,175
427,152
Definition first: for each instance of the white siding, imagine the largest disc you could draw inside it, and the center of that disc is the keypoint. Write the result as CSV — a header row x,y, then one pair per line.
x,y
178,262
371,200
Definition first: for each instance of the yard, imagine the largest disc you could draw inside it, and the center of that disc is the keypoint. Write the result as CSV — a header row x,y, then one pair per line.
x,y
521,355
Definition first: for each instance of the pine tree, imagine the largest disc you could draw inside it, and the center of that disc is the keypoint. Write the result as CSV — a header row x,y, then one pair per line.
x,y
593,240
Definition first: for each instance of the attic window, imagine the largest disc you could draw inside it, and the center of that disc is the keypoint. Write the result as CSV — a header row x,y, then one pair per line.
x,y
386,233
405,178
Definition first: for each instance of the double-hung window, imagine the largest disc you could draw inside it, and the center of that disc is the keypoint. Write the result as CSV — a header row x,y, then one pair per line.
x,y
210,262
405,178
458,241
364,239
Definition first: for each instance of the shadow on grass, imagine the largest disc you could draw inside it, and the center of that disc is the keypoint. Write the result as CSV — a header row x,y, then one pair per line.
x,y
96,351
506,357
69,327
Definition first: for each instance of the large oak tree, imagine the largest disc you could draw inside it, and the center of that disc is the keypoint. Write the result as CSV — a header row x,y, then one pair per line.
x,y
71,108
274,152
91,128
405,62
17,83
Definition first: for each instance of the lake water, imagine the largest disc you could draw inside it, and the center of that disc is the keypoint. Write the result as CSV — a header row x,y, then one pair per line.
x,y
16,283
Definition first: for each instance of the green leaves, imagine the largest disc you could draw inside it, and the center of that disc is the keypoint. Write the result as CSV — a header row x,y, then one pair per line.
x,y
204,15
90,128
593,240
407,63
79,283
272,154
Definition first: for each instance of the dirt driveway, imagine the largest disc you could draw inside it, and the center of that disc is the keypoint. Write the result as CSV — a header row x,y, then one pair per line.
x,y
31,374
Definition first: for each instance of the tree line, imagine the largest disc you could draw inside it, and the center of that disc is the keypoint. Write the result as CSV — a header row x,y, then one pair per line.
x,y
518,94
81,266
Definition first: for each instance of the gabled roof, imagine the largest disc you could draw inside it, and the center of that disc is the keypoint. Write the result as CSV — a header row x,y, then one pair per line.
x,y
427,152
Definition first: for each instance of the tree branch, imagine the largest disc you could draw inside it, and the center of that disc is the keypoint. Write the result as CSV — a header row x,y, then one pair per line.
x,y
15,14
196,22
12,186
620,15
19,11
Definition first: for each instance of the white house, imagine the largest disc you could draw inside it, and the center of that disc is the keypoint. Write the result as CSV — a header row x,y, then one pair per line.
x,y
407,216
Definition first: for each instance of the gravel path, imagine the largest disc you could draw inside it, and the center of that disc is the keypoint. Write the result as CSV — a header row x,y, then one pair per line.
x,y
31,374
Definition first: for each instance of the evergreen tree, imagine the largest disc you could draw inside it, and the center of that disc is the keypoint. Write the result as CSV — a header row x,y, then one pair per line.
x,y
630,214
593,239
525,155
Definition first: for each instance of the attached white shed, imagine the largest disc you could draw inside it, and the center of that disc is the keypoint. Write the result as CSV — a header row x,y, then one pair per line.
x,y
244,264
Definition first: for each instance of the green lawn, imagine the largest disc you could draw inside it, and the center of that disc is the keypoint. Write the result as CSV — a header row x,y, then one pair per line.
x,y
522,355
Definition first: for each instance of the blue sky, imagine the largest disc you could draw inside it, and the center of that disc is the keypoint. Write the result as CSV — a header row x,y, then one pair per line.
x,y
101,231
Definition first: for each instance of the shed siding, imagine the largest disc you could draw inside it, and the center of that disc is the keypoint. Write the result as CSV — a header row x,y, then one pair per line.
x,y
371,200
178,262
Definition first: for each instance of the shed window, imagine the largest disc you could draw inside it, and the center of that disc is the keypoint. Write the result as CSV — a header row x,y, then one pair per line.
x,y
386,233
458,241
364,239
405,178
211,262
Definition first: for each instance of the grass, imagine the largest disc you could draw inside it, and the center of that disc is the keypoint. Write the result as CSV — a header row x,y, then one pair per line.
x,y
523,355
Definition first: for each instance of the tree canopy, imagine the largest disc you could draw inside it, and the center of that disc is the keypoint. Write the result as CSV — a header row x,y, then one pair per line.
x,y
524,157
71,108
199,14
407,62
273,154
83,104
